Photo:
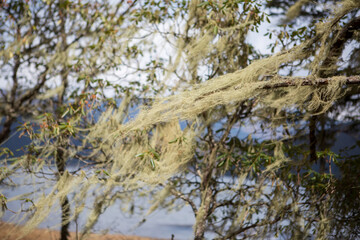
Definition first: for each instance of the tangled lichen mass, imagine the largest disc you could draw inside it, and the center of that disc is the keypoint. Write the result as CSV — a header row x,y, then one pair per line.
x,y
191,140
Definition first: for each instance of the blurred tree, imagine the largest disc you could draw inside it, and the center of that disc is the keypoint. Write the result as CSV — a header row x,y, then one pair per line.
x,y
52,53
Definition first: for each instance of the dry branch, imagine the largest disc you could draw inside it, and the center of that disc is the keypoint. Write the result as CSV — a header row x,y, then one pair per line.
x,y
288,82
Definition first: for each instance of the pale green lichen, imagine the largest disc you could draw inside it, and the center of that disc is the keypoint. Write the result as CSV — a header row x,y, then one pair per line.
x,y
149,149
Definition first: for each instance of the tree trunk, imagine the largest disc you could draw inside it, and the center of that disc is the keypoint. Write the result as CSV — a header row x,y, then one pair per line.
x,y
312,139
65,214
6,130
203,213
65,205
207,198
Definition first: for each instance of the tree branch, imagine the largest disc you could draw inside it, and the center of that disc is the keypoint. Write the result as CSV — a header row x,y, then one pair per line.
x,y
183,197
291,81
344,34
243,229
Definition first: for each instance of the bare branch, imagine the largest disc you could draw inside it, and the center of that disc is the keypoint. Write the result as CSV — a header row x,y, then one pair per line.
x,y
292,82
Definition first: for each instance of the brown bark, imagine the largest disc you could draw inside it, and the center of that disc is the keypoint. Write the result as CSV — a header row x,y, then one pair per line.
x,y
328,66
6,130
207,199
200,225
290,82
65,214
312,138
61,159
65,205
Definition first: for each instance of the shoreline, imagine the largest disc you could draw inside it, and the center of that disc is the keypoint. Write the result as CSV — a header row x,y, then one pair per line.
x,y
9,231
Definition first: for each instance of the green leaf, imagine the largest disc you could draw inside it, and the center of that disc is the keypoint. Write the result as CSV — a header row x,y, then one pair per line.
x,y
203,4
173,141
64,114
215,30
152,163
221,163
154,153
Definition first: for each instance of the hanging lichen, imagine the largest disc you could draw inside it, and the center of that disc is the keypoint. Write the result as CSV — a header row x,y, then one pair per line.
x,y
144,152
